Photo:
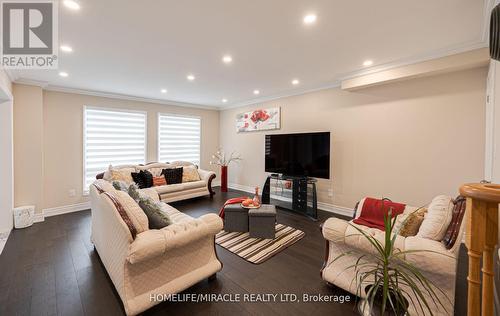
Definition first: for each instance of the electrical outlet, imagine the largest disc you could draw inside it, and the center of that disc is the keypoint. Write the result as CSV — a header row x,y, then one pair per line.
x,y
72,193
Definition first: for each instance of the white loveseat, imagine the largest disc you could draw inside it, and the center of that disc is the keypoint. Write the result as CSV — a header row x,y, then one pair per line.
x,y
439,266
174,192
157,261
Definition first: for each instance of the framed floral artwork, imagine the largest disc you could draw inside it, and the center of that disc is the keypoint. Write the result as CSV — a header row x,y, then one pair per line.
x,y
258,120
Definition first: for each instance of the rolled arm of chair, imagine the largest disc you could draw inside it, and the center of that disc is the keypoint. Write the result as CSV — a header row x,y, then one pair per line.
x,y
334,229
157,242
205,174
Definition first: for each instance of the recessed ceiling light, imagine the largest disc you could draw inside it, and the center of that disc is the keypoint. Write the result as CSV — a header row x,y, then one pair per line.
x,y
66,48
191,77
163,90
256,92
224,100
295,82
310,18
70,4
367,63
227,59
63,74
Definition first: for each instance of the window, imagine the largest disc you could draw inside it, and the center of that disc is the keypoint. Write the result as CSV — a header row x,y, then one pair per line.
x,y
179,138
111,137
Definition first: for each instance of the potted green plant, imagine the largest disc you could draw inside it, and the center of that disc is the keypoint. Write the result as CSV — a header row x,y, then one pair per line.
x,y
390,282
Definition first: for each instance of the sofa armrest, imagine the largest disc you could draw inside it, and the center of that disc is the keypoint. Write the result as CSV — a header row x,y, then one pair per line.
x,y
334,229
208,177
157,242
205,174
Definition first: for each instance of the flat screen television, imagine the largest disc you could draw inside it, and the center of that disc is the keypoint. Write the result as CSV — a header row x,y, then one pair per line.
x,y
299,155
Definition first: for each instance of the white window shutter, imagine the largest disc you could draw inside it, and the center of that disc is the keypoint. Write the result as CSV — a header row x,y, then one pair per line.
x,y
179,138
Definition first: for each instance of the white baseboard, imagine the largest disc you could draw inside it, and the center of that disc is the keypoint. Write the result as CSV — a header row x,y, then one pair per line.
x,y
340,210
3,239
53,211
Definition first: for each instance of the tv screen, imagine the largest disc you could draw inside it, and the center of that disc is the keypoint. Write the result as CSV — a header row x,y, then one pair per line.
x,y
299,155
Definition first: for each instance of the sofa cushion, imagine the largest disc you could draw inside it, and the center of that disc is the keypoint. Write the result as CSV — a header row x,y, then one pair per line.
x,y
143,178
173,175
179,187
123,174
134,212
190,174
107,173
437,218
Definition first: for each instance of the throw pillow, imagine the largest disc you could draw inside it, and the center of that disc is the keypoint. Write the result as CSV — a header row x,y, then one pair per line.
x,y
437,219
134,212
133,191
138,179
173,175
120,185
190,174
412,223
122,175
456,222
156,218
147,177
157,181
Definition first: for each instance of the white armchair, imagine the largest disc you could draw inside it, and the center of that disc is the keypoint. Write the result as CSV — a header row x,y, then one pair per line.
x,y
439,266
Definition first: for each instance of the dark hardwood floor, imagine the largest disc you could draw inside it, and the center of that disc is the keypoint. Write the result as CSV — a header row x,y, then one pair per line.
x,y
51,268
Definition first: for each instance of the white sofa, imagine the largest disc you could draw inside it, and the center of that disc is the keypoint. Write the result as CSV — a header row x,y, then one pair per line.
x,y
174,192
155,262
439,266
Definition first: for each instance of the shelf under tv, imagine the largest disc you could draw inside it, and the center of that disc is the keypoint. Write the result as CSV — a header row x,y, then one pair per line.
x,y
297,194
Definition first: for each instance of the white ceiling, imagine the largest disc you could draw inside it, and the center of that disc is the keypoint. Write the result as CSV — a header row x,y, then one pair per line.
x,y
136,48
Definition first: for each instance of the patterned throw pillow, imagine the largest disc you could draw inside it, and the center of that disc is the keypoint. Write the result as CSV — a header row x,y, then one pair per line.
x,y
133,191
190,174
412,223
124,174
173,175
120,185
459,206
157,181
156,218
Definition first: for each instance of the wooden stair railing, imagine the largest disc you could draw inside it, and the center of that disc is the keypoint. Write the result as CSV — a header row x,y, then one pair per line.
x,y
481,239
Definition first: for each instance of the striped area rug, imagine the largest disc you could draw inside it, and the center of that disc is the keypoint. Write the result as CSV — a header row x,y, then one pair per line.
x,y
258,250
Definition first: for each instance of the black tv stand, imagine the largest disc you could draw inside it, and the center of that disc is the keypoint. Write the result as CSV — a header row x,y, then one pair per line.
x,y
297,194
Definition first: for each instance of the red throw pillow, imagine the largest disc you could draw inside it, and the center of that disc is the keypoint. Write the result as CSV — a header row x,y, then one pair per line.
x,y
157,181
373,211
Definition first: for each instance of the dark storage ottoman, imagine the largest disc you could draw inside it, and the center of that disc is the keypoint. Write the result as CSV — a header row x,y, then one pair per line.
x,y
235,218
262,222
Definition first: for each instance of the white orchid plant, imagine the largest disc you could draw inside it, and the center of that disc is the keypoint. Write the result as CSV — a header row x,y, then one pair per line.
x,y
221,159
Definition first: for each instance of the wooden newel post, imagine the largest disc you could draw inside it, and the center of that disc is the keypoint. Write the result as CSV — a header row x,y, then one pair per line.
x,y
481,239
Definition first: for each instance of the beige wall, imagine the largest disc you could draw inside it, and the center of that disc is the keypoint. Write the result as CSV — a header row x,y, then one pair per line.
x,y
408,141
28,146
62,142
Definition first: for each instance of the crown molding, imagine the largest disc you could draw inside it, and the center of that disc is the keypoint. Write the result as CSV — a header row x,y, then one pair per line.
x,y
48,87
457,49
286,94
30,82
